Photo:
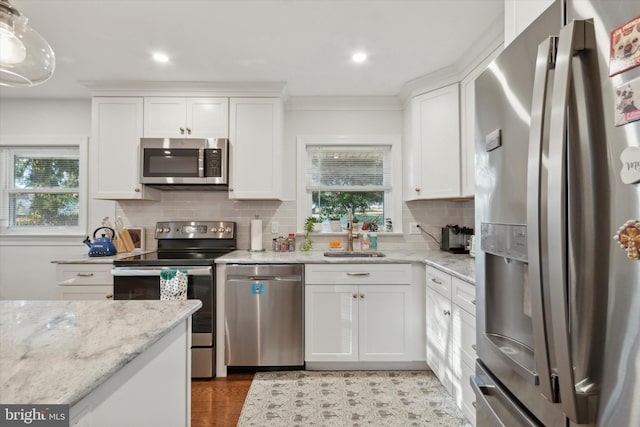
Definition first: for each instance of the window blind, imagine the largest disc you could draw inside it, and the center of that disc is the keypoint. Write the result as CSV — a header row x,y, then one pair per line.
x,y
348,168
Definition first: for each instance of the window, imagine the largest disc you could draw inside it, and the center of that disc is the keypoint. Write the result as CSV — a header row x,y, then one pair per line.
x,y
42,188
338,173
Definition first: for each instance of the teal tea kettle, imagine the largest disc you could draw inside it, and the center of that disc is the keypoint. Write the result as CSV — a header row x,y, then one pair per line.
x,y
102,246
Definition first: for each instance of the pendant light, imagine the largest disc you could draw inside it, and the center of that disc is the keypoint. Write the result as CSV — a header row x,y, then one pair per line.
x,y
26,59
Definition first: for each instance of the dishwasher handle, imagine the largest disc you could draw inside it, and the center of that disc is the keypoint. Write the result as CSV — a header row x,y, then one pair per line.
x,y
264,278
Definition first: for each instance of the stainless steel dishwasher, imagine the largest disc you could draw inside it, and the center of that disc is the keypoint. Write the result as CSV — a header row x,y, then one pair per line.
x,y
264,318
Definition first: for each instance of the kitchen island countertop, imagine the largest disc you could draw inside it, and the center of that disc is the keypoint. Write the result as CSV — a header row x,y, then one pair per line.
x,y
57,352
460,266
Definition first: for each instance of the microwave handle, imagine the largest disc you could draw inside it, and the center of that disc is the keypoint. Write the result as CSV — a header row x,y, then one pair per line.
x,y
201,162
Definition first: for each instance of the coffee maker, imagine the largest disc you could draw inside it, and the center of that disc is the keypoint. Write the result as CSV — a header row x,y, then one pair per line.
x,y
454,239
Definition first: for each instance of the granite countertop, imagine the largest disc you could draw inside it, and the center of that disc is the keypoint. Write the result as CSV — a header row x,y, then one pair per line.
x,y
57,352
460,266
84,258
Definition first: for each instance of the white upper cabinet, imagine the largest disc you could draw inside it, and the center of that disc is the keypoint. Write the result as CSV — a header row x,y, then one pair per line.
x,y
432,147
116,133
518,14
255,148
192,117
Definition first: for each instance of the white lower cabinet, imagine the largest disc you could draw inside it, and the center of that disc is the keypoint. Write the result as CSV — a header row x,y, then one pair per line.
x,y
359,313
451,336
438,337
84,281
356,323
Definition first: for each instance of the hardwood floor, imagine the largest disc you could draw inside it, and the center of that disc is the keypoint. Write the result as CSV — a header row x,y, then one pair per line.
x,y
218,402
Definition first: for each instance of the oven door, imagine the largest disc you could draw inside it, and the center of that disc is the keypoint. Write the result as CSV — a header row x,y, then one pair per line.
x,y
143,283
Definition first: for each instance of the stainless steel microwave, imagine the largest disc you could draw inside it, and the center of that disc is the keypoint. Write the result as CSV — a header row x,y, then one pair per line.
x,y
177,161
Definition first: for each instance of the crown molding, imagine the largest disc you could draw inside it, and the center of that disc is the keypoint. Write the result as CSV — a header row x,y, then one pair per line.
x,y
343,103
173,88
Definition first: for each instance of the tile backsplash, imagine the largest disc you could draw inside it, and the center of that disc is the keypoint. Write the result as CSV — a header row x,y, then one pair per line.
x,y
215,205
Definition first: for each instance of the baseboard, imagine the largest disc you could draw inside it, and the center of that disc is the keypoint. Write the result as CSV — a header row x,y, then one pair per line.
x,y
364,366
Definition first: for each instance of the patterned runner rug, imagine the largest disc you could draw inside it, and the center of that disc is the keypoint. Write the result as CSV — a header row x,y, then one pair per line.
x,y
349,398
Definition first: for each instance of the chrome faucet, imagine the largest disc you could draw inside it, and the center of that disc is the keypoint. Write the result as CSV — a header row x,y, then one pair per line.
x,y
349,230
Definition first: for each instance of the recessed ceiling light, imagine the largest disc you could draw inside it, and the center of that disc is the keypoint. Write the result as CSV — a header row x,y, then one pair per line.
x,y
359,57
160,57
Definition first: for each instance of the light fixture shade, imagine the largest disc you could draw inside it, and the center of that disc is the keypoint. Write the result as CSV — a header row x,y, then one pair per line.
x,y
26,59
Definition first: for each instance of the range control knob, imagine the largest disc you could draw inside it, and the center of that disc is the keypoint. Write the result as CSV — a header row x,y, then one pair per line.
x,y
214,230
228,230
159,230
166,229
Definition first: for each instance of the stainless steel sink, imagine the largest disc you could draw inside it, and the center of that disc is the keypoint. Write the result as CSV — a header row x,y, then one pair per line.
x,y
354,254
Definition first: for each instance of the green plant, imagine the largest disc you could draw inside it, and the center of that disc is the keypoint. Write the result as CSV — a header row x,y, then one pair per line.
x,y
308,228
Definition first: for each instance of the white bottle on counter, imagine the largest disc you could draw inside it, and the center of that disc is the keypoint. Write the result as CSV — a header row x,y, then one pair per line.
x,y
365,243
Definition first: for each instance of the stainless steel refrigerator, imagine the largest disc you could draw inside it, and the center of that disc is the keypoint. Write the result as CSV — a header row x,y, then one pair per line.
x,y
558,320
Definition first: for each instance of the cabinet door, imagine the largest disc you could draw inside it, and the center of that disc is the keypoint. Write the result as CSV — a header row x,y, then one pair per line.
x,y
435,145
331,323
519,14
208,117
255,148
165,117
439,337
384,322
117,129
467,138
463,351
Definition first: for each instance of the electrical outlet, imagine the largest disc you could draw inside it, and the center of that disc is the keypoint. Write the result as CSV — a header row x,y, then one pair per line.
x,y
275,226
414,228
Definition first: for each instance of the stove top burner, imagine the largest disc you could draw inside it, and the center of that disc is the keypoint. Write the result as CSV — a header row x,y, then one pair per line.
x,y
186,243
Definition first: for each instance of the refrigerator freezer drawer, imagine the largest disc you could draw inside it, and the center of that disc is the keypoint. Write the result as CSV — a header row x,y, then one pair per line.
x,y
495,407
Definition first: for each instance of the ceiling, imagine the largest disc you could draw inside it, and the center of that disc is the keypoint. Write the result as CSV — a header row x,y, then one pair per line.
x,y
306,44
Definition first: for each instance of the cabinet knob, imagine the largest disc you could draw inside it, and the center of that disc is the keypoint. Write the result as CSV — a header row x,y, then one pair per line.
x,y
137,190
354,296
181,131
84,274
473,302
434,280
362,296
475,405
188,131
417,190
109,296
474,347
446,312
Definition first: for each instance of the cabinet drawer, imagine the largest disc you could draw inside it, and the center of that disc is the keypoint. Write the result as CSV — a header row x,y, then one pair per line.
x,y
84,274
358,274
439,281
464,295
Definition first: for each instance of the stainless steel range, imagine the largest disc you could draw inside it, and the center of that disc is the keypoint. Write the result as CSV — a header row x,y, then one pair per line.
x,y
189,245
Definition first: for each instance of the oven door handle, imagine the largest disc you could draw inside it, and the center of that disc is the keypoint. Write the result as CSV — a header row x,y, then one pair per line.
x,y
142,271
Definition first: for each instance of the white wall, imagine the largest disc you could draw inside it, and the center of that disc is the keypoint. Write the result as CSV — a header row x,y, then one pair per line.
x,y
300,120
26,271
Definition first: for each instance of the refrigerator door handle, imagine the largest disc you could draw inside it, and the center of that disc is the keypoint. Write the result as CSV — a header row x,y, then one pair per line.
x,y
575,405
535,224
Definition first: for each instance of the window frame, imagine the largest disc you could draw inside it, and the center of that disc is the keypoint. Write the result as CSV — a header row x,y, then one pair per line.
x,y
392,197
15,143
